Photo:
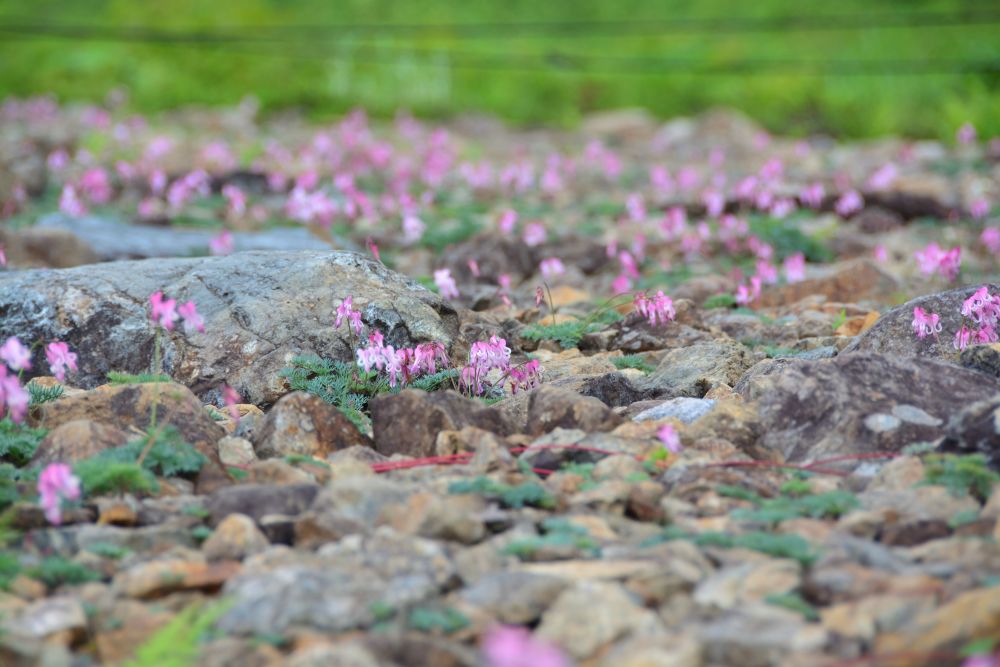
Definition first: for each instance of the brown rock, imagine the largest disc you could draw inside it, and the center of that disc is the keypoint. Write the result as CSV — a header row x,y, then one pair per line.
x,y
552,407
235,538
131,405
972,615
409,422
305,425
32,247
848,282
128,626
77,440
158,578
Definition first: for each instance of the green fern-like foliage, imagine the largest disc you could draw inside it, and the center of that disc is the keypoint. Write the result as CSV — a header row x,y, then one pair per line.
x,y
10,567
338,383
528,493
115,377
100,477
569,334
18,442
632,361
38,394
961,474
177,643
435,381
719,301
55,571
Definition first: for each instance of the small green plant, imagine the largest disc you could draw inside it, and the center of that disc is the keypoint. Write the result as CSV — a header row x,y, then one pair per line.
x,y
18,442
293,459
116,377
55,571
794,602
839,320
632,361
832,504
777,545
338,383
526,493
557,532
787,238
39,394
963,518
446,621
176,644
382,612
99,477
201,533
569,334
719,301
109,550
961,474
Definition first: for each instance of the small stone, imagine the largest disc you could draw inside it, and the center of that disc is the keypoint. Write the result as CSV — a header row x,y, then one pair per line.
x,y
235,538
236,451
47,617
553,407
158,578
685,408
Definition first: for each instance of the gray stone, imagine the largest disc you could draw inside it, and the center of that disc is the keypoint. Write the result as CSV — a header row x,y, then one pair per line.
x,y
684,408
516,598
260,309
692,371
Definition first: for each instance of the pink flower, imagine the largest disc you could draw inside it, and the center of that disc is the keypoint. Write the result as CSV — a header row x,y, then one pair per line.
x,y
884,177
660,179
849,203
658,310
16,355
13,398
925,324
506,646
745,295
991,239
222,244
979,208
94,184
982,660
3,257
70,204
534,234
503,280
668,436
962,338
446,284
795,268
767,272
812,195
473,268
933,259
55,484
525,376
881,254
782,208
231,399
622,284
235,198
966,134
507,220
192,320
346,311
373,248
636,207
60,358
551,267
164,311
714,203
951,263
413,229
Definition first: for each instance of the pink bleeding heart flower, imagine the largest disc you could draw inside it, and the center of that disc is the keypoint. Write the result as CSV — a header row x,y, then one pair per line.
x,y
231,399
223,244
13,398
15,355
668,436
57,483
164,311
192,320
925,324
507,646
60,358
446,284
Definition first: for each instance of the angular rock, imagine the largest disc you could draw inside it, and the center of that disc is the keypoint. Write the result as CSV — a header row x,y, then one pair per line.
x,y
693,371
685,408
259,500
132,405
302,424
235,538
40,247
158,578
260,309
551,407
863,403
235,451
515,598
77,440
849,282
409,422
893,335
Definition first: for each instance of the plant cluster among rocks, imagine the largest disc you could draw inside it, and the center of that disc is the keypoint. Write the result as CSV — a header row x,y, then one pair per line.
x,y
676,395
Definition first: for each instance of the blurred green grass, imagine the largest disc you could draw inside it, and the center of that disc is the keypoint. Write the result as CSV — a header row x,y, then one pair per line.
x,y
553,75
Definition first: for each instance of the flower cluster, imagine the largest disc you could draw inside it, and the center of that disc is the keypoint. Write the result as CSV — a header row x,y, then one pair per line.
x,y
345,311
60,358
507,646
658,310
401,365
484,356
983,309
925,324
446,284
55,484
933,259
165,313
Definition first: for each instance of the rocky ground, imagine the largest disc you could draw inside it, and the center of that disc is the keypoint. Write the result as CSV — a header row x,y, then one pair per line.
x,y
776,471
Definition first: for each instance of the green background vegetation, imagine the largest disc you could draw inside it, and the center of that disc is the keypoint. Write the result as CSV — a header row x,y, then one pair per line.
x,y
856,81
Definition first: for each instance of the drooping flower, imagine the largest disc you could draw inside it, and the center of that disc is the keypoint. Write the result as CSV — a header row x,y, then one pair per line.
x,y
506,221
883,177
668,436
446,284
933,259
3,257
192,320
413,229
657,310
13,397
345,311
525,376
534,234
925,324
966,134
795,268
979,208
473,267
506,646
15,355
222,244
236,200
164,311
812,195
991,239
70,204
962,338
231,399
60,358
57,483
747,294
767,272
551,267
849,203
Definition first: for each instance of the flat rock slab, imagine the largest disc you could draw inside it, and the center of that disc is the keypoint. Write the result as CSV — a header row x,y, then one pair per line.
x,y
111,240
260,310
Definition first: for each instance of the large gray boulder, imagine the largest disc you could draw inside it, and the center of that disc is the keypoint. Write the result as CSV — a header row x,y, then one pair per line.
x,y
260,309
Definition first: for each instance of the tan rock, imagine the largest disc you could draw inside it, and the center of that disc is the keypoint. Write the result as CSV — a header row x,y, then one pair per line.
x,y
304,425
235,538
157,578
77,440
972,615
